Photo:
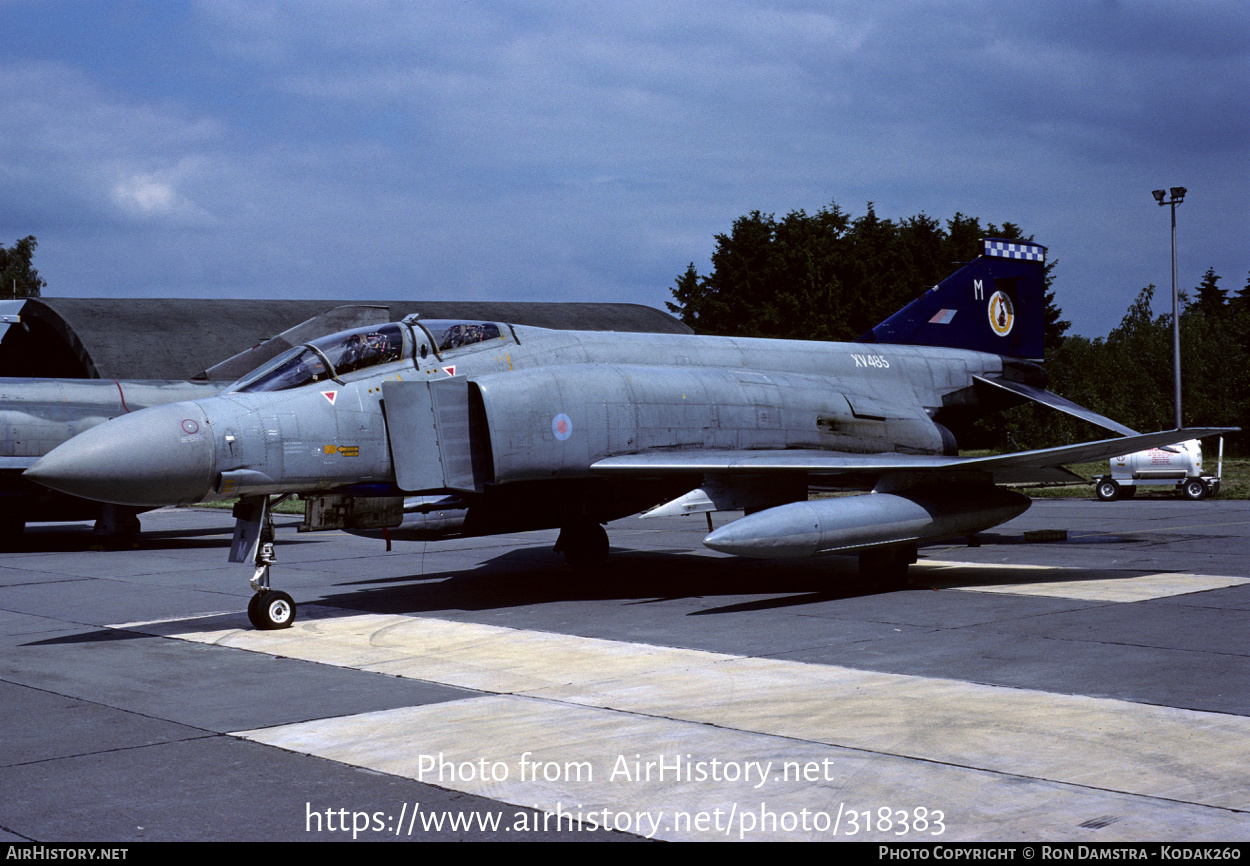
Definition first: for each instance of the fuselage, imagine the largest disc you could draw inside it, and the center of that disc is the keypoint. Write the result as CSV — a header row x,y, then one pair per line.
x,y
546,404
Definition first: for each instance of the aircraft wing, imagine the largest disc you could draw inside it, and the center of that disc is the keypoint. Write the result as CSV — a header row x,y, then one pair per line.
x,y
1043,465
17,462
1054,401
10,313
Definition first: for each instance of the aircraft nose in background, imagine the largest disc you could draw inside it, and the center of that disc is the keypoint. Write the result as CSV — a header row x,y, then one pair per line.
x,y
157,456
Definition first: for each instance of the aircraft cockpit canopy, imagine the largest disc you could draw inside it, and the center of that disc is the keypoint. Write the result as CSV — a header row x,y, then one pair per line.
x,y
364,347
450,334
327,358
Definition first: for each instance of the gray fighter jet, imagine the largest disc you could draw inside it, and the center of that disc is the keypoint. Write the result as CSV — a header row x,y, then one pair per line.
x,y
430,429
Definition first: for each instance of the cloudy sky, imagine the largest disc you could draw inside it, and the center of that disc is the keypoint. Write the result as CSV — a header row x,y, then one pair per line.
x,y
578,151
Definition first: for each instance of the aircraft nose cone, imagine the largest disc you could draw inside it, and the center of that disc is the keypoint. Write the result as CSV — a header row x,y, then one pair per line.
x,y
157,456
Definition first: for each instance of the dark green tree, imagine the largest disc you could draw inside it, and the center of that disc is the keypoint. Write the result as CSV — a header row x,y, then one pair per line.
x,y
738,285
18,279
1211,300
1241,301
1239,309
1140,348
1054,327
1129,376
1214,358
827,275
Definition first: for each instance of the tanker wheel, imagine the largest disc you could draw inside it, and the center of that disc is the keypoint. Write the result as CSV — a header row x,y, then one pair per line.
x,y
1108,490
1195,489
887,566
584,545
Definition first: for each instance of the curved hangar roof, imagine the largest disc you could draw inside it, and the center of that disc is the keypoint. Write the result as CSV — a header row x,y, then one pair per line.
x,y
170,338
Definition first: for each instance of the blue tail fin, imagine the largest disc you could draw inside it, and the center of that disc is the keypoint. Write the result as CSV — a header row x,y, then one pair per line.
x,y
995,304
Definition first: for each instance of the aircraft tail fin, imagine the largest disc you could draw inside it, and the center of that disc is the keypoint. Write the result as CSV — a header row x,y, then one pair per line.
x,y
996,303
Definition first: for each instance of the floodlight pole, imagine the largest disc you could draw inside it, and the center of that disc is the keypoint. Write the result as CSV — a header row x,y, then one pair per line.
x,y
1178,196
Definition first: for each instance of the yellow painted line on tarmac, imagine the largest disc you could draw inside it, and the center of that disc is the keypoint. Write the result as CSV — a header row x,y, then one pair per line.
x,y
1116,748
1130,588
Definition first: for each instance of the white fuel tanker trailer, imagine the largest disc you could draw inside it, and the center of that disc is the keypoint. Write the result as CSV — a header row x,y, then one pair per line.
x,y
1177,465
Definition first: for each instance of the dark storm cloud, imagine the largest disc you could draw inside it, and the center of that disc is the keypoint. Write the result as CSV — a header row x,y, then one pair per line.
x,y
554,150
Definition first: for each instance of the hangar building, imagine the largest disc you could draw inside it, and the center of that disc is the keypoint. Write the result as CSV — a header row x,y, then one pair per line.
x,y
177,338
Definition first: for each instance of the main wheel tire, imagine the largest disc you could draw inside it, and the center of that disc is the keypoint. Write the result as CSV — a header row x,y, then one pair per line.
x,y
584,545
887,566
1195,489
271,610
12,533
1107,490
118,527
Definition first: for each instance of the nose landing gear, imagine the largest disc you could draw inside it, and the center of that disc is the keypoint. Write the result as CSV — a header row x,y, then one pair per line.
x,y
271,609
268,609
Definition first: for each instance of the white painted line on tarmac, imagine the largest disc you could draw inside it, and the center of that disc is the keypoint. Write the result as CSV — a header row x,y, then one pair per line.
x,y
592,768
980,749
1049,582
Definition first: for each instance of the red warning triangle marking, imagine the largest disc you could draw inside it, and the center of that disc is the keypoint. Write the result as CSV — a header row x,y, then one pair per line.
x,y
450,371
330,395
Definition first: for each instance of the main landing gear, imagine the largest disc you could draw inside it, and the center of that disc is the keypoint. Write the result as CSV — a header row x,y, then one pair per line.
x,y
117,526
269,608
584,544
12,530
887,566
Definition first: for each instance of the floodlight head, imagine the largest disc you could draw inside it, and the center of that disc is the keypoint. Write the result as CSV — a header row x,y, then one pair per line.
x,y
1178,194
1159,194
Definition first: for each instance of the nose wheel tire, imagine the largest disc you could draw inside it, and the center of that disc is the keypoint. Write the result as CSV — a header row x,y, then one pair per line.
x,y
271,609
